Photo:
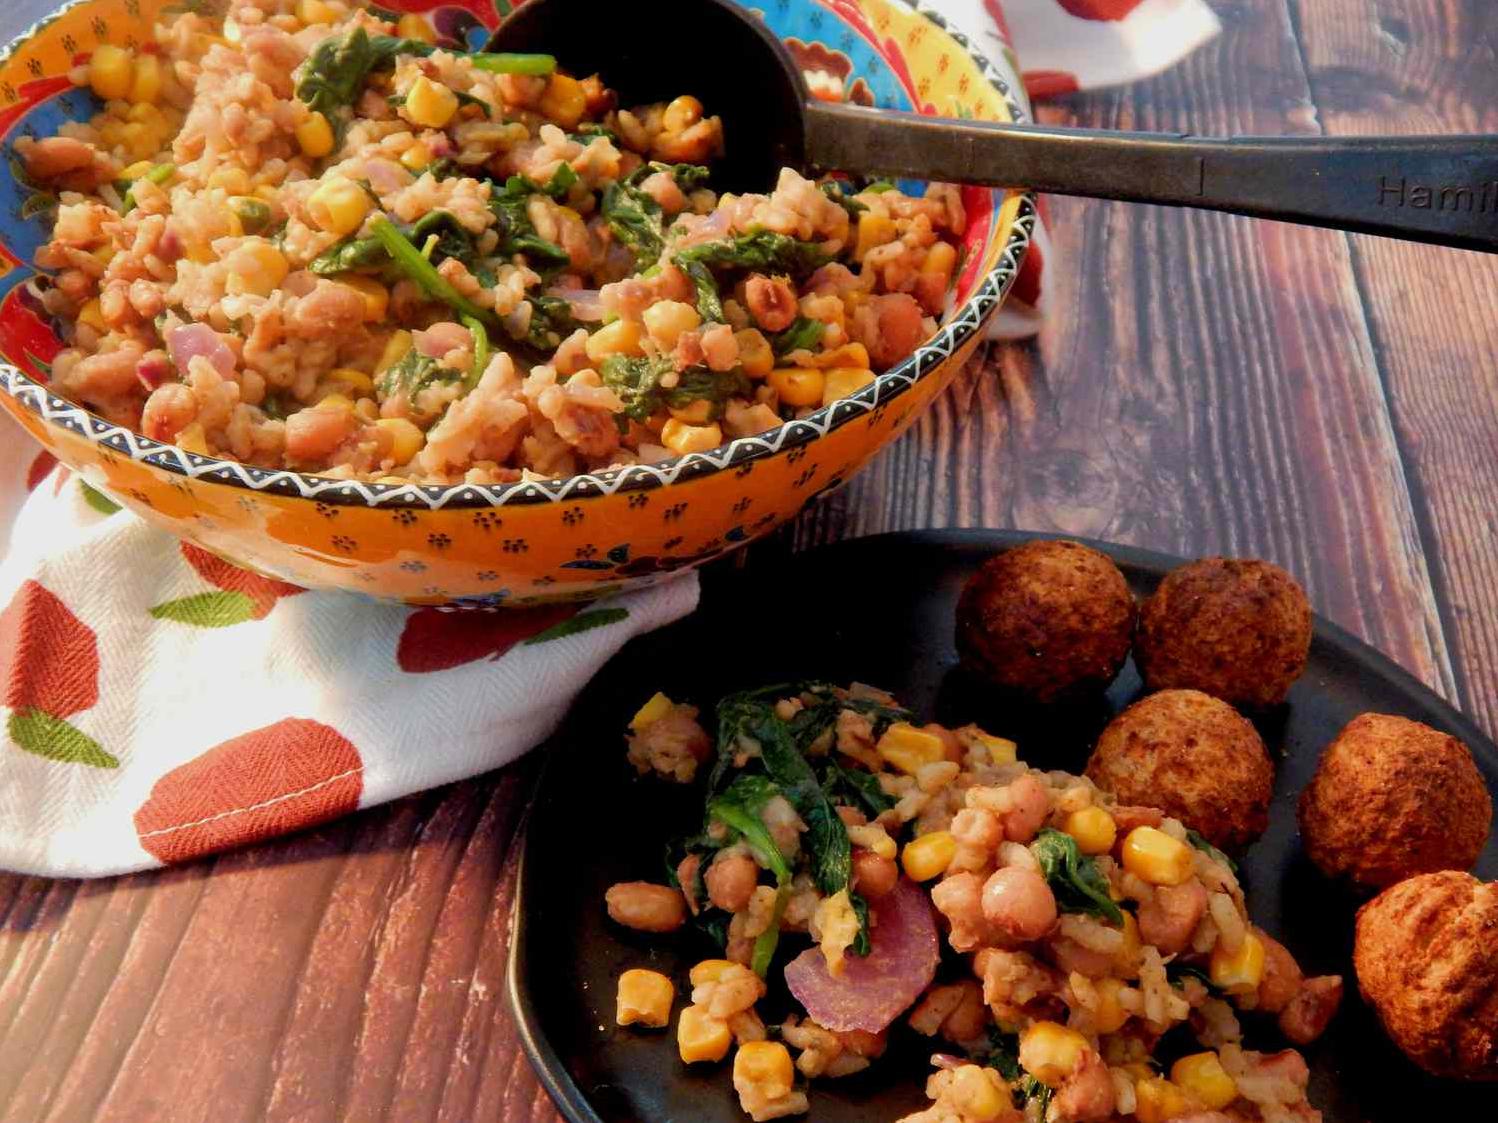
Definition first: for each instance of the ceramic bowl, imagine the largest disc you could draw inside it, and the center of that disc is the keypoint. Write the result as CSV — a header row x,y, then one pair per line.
x,y
575,538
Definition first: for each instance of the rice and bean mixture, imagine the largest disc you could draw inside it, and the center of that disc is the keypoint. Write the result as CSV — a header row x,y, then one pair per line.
x,y
1097,956
303,236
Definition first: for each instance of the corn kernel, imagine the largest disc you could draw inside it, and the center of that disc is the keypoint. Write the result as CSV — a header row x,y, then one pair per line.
x,y
260,269
907,748
928,856
755,354
1130,955
145,80
846,355
138,140
339,206
711,970
665,320
110,72
651,712
91,315
622,337
765,1065
236,181
798,386
699,412
1093,828
137,169
407,440
1238,972
1109,1016
111,132
839,382
429,104
681,114
335,400
315,11
940,259
1155,857
349,379
396,348
1050,1052
979,1094
412,26
682,438
376,296
1202,1077
1158,1100
416,157
873,838
191,438
700,1037
644,998
314,136
873,230
564,101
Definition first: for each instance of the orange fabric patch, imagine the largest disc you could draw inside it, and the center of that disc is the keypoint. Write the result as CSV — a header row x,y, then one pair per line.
x,y
285,777
49,659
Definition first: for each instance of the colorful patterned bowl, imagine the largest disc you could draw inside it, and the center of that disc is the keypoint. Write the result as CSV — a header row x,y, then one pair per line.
x,y
575,538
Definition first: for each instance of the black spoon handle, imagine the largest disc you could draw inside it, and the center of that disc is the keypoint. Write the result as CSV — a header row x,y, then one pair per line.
x,y
1441,189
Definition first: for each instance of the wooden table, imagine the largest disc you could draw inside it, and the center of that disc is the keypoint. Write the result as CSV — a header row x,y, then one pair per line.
x,y
1206,384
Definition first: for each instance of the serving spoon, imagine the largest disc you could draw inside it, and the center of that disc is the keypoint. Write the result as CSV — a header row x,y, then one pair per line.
x,y
1438,189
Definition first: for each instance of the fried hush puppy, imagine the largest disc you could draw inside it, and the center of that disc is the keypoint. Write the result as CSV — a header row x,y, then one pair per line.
x,y
1048,620
1426,956
1392,798
1239,630
1194,757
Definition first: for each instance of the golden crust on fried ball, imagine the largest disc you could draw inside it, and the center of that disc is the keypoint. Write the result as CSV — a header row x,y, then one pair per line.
x,y
1048,619
1426,956
1392,798
1239,630
1194,757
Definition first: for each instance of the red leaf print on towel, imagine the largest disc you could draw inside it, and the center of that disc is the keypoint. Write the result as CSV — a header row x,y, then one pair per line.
x,y
1100,9
49,669
43,464
49,659
244,596
434,640
285,777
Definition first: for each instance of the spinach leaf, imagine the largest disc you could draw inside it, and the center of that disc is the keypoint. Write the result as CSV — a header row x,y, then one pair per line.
x,y
855,787
590,131
1000,1052
762,251
349,254
826,837
713,386
413,373
408,260
1177,973
861,942
1076,881
551,321
803,334
636,218
834,191
561,179
1210,851
739,808
480,352
637,381
536,65
334,74
452,239
517,234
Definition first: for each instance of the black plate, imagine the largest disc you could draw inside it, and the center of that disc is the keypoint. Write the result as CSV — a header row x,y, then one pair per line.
x,y
884,615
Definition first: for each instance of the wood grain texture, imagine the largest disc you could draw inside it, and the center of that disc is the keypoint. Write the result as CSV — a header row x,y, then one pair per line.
x,y
1205,384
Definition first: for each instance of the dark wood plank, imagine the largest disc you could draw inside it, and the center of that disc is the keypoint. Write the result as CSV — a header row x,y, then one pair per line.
x,y
1379,67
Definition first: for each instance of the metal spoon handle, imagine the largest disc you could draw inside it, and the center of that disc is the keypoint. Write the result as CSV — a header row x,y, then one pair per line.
x,y
1440,189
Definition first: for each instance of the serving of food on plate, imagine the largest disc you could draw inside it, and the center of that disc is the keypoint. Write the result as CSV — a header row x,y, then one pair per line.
x,y
1068,946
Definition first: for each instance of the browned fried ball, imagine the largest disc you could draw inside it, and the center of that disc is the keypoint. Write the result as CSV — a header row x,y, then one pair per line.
x,y
1239,630
1048,619
1392,798
1426,956
1194,757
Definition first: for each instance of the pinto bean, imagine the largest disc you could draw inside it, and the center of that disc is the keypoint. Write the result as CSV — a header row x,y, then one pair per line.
x,y
169,410
1019,903
647,907
54,156
1312,1009
771,301
312,434
1282,977
873,876
1086,1096
959,898
731,882
1031,804
1171,914
686,877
